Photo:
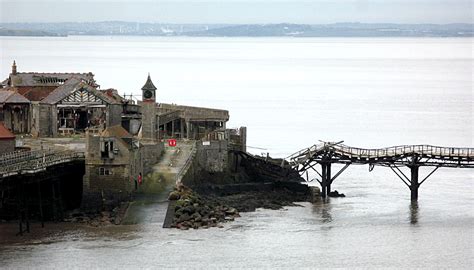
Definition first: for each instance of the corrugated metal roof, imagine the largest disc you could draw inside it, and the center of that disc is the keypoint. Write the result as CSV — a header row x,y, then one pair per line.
x,y
5,133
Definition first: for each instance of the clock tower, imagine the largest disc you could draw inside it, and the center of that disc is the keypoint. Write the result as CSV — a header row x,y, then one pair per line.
x,y
149,91
149,118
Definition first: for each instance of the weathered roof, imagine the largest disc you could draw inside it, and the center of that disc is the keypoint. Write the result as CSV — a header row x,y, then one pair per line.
x,y
47,79
8,96
5,133
195,113
116,131
149,84
113,93
70,86
35,93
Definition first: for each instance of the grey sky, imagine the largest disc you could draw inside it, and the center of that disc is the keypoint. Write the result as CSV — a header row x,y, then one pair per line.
x,y
239,11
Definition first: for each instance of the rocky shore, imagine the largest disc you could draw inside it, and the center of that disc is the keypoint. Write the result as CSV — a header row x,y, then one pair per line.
x,y
193,210
251,200
97,219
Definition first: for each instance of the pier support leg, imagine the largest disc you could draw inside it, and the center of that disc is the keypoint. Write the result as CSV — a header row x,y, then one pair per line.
x,y
40,200
53,201
328,176
414,183
324,180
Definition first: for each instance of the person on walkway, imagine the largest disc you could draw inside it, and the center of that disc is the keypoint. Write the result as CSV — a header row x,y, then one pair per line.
x,y
140,179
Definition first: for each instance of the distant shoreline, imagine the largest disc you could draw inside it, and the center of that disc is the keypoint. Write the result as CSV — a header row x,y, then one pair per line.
x,y
336,30
251,37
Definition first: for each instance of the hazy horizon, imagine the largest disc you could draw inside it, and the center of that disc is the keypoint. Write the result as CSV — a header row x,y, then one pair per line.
x,y
238,11
243,23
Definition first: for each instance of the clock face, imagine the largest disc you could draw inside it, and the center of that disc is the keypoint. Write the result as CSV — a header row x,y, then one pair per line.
x,y
148,94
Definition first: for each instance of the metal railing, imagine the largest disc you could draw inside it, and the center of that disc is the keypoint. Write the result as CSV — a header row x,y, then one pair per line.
x,y
388,152
405,150
187,164
34,161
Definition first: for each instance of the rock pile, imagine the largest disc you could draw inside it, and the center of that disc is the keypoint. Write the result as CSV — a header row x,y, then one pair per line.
x,y
192,211
97,219
336,194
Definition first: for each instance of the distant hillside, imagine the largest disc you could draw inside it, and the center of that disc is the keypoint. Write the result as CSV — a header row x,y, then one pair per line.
x,y
25,32
250,30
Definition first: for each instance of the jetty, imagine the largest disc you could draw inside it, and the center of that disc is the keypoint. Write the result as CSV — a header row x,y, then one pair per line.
x,y
397,157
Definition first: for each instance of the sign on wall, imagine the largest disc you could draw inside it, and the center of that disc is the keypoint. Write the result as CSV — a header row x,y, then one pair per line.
x,y
172,142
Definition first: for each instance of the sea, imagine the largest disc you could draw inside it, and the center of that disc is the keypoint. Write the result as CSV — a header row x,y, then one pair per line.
x,y
290,93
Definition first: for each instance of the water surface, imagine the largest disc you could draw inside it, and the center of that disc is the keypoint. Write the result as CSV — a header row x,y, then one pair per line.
x,y
290,93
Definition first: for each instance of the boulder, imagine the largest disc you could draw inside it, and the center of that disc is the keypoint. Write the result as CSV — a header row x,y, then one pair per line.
x,y
174,196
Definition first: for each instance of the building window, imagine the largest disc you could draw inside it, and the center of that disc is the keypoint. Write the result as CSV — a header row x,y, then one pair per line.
x,y
105,171
107,148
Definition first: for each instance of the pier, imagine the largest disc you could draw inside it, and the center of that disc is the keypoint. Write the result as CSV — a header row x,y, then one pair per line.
x,y
410,156
39,181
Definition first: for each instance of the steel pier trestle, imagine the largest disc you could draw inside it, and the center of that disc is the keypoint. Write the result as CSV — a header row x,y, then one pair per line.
x,y
412,156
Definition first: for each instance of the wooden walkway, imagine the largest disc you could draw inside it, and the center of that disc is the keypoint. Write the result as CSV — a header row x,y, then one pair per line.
x,y
411,156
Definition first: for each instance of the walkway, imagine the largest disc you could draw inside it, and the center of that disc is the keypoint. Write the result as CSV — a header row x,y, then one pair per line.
x,y
151,201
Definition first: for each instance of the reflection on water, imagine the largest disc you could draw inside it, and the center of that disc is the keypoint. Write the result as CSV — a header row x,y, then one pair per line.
x,y
323,209
414,212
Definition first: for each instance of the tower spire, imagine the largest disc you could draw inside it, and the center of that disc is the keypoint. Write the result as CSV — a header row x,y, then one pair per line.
x,y
14,68
149,84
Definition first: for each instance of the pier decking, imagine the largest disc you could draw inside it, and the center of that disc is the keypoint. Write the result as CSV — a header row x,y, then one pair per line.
x,y
411,156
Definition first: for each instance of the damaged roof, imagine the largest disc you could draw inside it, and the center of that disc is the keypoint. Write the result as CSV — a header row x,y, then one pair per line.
x,y
47,79
72,85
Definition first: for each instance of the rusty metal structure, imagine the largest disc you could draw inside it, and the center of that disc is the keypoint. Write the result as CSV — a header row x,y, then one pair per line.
x,y
411,156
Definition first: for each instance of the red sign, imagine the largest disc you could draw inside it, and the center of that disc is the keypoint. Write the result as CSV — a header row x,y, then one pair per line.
x,y
172,142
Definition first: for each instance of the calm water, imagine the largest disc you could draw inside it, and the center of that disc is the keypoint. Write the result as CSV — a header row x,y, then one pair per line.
x,y
290,93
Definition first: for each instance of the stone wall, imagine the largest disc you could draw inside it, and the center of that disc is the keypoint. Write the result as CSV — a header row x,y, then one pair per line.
x,y
114,115
151,153
7,145
212,156
209,165
118,184
149,120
